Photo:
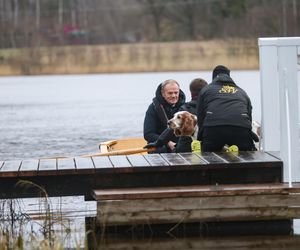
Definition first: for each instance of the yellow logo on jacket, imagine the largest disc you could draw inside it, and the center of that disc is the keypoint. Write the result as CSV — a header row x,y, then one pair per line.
x,y
228,89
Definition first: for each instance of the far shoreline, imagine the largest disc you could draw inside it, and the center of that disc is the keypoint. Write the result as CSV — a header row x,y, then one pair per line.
x,y
237,54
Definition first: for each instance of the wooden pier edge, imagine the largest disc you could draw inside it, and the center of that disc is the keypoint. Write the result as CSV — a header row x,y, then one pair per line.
x,y
253,202
79,175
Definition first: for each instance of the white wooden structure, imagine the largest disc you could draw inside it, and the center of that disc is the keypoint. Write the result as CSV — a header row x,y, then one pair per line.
x,y
279,65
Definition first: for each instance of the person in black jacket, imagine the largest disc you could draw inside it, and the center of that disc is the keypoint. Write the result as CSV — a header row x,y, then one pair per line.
x,y
183,142
168,99
224,114
195,87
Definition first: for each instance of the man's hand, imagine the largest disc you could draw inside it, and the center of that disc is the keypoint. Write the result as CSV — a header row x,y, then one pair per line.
x,y
171,145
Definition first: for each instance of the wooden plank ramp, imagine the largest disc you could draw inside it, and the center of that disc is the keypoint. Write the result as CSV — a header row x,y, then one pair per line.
x,y
197,204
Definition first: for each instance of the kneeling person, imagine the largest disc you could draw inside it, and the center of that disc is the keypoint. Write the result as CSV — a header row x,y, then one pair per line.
x,y
224,113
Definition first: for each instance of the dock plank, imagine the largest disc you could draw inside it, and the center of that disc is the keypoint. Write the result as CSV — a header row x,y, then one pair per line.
x,y
175,159
211,158
193,159
65,164
230,157
10,166
203,215
257,156
275,154
47,165
195,191
29,166
84,163
195,203
102,162
138,161
120,161
156,160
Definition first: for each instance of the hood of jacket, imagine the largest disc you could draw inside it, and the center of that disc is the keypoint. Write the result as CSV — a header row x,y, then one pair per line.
x,y
223,79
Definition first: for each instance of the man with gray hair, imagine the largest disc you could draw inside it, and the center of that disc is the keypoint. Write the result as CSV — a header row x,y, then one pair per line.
x,y
167,101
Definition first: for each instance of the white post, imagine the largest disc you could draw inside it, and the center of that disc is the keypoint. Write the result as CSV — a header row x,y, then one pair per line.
x,y
280,107
270,125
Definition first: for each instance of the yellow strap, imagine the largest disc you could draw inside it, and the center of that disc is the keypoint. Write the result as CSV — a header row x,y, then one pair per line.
x,y
232,148
196,146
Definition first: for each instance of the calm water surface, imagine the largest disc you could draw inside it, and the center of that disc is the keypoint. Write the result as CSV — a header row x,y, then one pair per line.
x,y
69,115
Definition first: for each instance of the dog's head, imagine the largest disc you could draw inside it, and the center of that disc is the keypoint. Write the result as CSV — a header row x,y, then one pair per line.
x,y
183,123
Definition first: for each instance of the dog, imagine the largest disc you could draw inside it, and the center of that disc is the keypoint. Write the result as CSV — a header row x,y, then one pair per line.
x,y
184,124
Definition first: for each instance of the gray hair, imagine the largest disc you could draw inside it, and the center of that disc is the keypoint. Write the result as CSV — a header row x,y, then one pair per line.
x,y
169,81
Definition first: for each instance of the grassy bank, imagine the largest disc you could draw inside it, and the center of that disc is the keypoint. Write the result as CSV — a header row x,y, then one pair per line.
x,y
141,57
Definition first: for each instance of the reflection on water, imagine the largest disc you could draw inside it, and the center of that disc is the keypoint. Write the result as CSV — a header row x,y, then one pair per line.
x,y
59,218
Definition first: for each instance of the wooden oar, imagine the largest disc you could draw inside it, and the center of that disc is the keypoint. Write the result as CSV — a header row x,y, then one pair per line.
x,y
122,152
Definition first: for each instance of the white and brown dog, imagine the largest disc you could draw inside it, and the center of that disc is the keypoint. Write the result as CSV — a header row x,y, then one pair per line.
x,y
184,124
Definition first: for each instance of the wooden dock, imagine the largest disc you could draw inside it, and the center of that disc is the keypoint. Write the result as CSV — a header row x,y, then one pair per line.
x,y
79,176
237,202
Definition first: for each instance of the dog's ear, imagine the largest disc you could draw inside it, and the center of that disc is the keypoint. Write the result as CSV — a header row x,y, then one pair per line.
x,y
188,125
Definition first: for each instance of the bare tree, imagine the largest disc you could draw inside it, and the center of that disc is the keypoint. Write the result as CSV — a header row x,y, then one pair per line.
x,y
295,16
36,22
184,13
13,20
83,17
284,18
156,9
2,22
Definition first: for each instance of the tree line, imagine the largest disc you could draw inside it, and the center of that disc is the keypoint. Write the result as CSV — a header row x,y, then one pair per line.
x,y
39,23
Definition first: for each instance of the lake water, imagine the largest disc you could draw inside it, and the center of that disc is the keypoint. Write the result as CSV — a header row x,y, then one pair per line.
x,y
69,115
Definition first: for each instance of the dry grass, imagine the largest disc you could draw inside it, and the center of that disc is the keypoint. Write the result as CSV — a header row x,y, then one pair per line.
x,y
15,233
142,57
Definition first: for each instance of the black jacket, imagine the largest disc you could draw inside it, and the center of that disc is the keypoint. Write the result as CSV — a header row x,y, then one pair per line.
x,y
154,122
223,103
190,107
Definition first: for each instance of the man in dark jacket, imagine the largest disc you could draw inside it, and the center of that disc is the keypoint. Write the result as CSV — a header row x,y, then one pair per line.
x,y
224,114
195,87
168,99
183,142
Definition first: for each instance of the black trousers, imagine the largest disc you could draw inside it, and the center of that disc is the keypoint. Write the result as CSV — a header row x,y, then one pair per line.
x,y
215,138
